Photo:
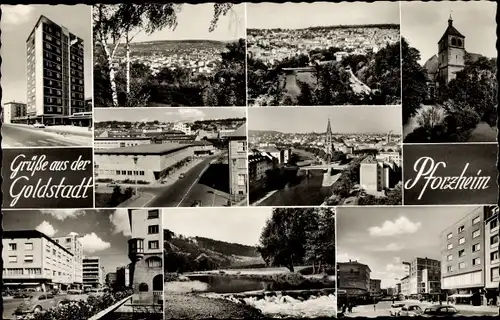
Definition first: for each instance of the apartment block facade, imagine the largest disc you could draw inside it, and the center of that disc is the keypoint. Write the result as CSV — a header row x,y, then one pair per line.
x,y
73,245
13,111
145,250
93,273
425,277
238,175
491,253
55,74
34,260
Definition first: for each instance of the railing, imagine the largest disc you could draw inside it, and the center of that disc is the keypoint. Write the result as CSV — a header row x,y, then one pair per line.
x,y
110,309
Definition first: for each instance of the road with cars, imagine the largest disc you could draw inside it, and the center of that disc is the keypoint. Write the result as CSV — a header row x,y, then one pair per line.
x,y
17,136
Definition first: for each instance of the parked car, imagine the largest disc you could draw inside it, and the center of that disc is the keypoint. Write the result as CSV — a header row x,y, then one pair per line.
x,y
197,203
112,184
96,292
395,309
410,311
37,302
21,295
441,311
38,125
75,291
181,176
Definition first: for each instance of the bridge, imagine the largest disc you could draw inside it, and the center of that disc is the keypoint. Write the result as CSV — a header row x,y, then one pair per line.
x,y
325,166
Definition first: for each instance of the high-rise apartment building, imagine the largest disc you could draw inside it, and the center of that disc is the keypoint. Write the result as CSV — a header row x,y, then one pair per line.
x,y
238,164
73,245
55,73
463,257
145,250
491,259
425,277
92,272
31,259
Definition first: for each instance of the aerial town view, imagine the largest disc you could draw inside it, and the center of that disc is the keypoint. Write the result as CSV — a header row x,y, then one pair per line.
x,y
412,261
265,263
338,156
154,55
450,86
170,157
343,54
46,82
76,264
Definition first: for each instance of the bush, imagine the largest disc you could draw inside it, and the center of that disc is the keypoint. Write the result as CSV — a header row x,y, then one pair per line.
x,y
80,309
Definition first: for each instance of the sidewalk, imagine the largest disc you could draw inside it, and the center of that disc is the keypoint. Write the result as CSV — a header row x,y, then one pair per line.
x,y
72,130
78,139
459,307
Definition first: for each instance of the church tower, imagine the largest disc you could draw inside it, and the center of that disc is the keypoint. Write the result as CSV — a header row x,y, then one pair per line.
x,y
451,53
328,141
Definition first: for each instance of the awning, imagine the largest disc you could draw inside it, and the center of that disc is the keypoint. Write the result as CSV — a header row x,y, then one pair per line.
x,y
460,296
21,283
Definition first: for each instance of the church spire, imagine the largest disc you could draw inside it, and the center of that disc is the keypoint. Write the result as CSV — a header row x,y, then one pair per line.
x,y
450,20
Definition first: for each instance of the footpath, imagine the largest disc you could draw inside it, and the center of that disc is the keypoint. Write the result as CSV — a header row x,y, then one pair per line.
x,y
71,134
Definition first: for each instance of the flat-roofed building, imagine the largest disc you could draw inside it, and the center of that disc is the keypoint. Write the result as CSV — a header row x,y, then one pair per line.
x,y
238,164
13,112
119,142
93,273
353,279
72,244
31,259
491,259
145,162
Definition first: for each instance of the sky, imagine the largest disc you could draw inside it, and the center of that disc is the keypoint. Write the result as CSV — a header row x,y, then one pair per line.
x,y
18,22
350,119
383,237
194,22
167,114
305,15
104,232
234,225
424,23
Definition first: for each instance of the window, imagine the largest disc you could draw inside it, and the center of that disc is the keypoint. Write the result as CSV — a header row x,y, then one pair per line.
x,y
461,240
143,287
461,229
153,229
450,246
28,258
476,247
461,265
449,269
450,257
54,252
476,220
450,235
153,214
153,244
12,259
476,261
493,224
12,246
461,253
476,233
494,274
28,246
154,262
241,179
494,239
494,255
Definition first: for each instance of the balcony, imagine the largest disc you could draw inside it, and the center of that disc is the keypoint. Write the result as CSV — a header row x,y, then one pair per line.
x,y
136,249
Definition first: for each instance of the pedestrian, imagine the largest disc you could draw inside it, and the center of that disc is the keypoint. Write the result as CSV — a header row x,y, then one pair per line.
x,y
349,309
374,308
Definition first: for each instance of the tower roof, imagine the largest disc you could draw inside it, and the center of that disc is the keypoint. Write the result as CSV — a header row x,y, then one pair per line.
x,y
328,127
451,30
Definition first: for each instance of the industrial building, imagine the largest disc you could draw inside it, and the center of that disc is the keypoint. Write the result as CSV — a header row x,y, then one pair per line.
x,y
119,142
144,163
33,260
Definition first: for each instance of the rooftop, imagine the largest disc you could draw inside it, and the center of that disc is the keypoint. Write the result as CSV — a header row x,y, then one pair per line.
x,y
122,138
241,132
30,234
146,149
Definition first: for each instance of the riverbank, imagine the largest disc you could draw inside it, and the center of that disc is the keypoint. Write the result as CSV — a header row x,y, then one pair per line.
x,y
191,306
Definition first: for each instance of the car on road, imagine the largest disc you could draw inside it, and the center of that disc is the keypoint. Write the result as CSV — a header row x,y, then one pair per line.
x,y
38,125
197,203
395,309
112,184
182,176
37,302
410,311
96,292
441,311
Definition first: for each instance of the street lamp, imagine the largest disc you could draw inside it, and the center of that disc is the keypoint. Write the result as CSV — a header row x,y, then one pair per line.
x,y
136,172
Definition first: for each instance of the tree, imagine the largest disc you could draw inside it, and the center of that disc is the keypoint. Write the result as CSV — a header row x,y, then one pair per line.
x,y
414,80
320,239
283,237
430,117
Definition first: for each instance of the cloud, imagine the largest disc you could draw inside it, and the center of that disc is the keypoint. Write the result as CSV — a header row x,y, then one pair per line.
x,y
119,220
390,247
191,114
17,14
401,225
92,242
344,257
73,233
64,214
46,228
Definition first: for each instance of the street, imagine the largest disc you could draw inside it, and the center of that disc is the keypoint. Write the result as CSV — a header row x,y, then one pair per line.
x,y
199,184
383,309
10,305
25,136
